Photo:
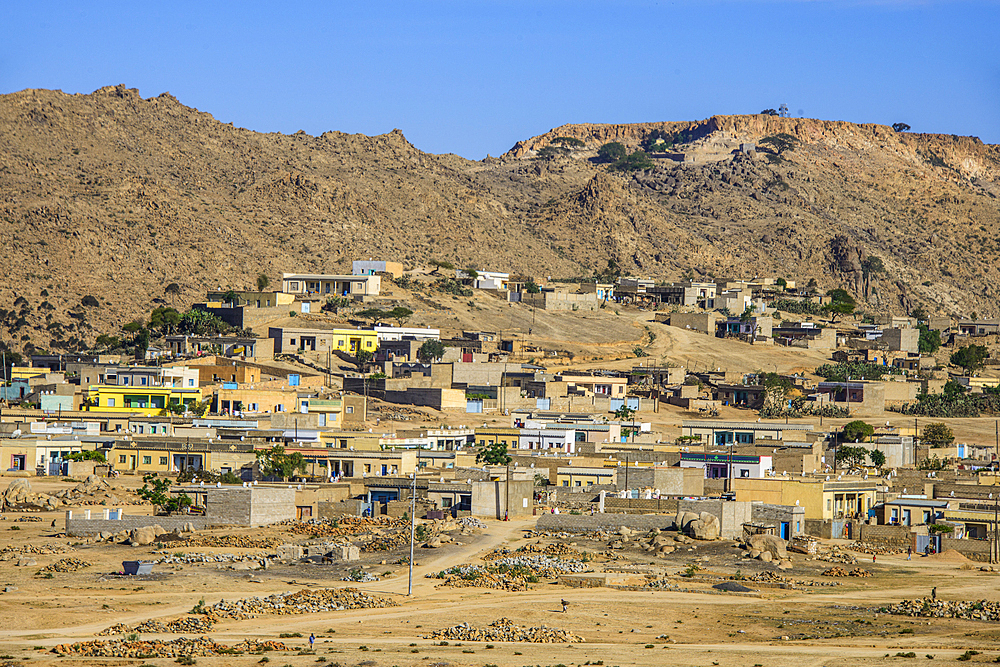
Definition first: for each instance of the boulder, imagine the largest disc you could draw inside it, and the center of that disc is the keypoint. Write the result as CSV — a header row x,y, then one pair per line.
x,y
705,528
433,543
683,519
26,562
142,536
765,556
771,543
784,565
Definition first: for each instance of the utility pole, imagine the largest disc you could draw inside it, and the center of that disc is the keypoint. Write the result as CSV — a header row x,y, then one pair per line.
x,y
413,523
996,500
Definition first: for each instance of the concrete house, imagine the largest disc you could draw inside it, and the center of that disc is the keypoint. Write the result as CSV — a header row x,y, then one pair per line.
x,y
322,285
374,267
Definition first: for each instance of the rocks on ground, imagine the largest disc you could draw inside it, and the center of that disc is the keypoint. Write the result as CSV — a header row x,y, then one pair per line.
x,y
979,610
301,602
505,630
202,646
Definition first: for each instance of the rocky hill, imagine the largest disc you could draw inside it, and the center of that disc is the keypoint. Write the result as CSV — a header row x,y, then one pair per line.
x,y
114,196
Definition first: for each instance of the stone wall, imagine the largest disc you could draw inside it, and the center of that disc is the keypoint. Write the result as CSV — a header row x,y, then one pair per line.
x,y
78,525
892,536
266,506
640,505
777,514
977,550
572,523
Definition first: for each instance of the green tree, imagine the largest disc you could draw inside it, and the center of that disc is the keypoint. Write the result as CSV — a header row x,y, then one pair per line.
x,y
900,127
157,492
937,435
493,454
919,314
568,142
87,455
431,350
779,143
636,161
164,319
769,112
877,458
364,356
812,286
372,314
439,264
929,341
971,358
781,282
842,303
852,457
856,431
531,288
275,462
624,413
263,282
400,314
612,152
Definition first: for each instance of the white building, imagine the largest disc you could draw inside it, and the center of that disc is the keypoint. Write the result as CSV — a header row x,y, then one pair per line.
x,y
387,333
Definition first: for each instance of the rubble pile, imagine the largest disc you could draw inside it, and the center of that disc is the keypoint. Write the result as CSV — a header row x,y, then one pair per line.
x,y
12,552
93,491
231,541
190,559
876,549
841,572
981,610
837,554
186,624
201,646
505,630
766,577
386,542
556,549
472,522
302,602
509,573
71,564
360,576
345,526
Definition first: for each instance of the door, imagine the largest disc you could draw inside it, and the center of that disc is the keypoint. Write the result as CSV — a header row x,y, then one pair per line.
x,y
303,512
17,462
131,461
906,517
785,530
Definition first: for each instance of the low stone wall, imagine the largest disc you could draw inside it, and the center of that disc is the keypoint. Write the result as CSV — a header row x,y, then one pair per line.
x,y
977,550
78,525
640,505
572,523
887,536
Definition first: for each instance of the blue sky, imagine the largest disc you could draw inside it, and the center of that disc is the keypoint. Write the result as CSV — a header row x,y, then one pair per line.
x,y
475,76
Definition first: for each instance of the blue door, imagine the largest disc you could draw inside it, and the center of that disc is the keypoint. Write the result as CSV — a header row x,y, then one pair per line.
x,y
785,530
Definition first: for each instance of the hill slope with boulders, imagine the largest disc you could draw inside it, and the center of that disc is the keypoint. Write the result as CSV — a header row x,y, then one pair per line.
x,y
114,196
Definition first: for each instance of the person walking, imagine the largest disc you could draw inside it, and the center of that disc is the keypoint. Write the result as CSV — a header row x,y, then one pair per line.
x,y
312,640
564,605
934,593
873,559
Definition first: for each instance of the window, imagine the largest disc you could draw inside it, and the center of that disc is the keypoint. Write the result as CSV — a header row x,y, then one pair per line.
x,y
829,504
142,380
744,438
291,341
147,460
293,285
368,467
121,458
350,409
446,503
565,482
744,472
190,382
163,460
577,483
111,402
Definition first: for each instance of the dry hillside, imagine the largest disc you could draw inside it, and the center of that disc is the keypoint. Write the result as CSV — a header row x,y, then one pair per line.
x,y
116,196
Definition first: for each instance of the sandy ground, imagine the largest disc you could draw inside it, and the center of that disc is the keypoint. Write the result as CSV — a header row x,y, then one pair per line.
x,y
620,627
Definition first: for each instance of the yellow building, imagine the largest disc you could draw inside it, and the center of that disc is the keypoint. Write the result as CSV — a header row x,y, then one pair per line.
x,y
349,341
147,400
172,455
508,437
823,500
584,476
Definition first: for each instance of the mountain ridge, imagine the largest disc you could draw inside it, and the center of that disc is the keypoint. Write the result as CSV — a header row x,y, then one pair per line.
x,y
113,195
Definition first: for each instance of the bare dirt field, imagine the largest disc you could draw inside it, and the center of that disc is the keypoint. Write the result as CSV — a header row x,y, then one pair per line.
x,y
792,616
